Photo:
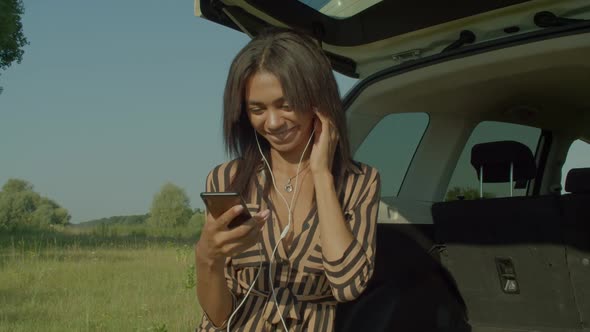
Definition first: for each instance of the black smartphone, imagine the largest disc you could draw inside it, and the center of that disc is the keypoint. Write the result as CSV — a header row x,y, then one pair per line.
x,y
218,203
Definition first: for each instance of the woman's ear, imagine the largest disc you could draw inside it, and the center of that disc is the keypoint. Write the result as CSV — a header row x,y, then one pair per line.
x,y
315,114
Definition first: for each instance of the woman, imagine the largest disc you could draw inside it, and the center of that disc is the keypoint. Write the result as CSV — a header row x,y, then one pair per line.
x,y
284,122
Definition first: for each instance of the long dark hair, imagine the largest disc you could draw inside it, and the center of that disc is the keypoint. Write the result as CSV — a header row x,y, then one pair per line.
x,y
307,80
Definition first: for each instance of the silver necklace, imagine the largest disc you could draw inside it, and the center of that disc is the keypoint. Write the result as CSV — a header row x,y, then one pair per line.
x,y
289,186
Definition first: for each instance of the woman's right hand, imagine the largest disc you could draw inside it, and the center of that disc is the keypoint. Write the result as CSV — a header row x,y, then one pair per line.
x,y
217,241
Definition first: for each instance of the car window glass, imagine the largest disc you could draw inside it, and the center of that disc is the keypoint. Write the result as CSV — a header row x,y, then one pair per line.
x,y
465,184
578,156
390,147
340,8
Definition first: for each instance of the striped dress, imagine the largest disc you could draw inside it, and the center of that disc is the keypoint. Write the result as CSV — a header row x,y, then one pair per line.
x,y
307,286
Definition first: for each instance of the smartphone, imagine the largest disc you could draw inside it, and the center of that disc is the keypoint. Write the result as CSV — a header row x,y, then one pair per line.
x,y
218,203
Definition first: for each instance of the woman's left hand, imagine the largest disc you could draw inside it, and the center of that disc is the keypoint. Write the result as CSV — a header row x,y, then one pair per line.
x,y
324,145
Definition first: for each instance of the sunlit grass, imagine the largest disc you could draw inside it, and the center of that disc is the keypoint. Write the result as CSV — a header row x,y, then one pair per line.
x,y
74,280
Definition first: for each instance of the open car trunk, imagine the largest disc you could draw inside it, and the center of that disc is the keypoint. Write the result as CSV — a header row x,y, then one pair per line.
x,y
363,37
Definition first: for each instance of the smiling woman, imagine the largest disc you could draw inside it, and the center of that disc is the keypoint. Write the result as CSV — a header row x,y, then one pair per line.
x,y
271,116
311,241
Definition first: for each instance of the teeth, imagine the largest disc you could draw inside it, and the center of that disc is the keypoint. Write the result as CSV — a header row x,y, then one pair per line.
x,y
282,132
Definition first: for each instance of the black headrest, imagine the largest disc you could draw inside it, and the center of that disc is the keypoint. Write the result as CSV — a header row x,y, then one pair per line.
x,y
578,180
496,157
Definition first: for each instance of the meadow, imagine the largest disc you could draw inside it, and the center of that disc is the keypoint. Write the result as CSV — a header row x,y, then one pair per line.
x,y
100,278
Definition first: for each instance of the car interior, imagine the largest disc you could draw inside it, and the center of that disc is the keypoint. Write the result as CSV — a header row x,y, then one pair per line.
x,y
513,263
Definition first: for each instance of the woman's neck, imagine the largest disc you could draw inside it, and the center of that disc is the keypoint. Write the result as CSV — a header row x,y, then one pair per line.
x,y
288,163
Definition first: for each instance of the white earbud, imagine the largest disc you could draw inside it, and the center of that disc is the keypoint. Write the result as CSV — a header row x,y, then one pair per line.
x,y
285,232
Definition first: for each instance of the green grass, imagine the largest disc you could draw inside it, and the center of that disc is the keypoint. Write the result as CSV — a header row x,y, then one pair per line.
x,y
81,280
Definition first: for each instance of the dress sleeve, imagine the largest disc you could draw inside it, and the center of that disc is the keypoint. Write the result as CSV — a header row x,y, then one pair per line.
x,y
213,185
206,324
348,276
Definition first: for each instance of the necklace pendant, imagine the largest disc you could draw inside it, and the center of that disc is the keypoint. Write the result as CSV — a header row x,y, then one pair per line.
x,y
288,186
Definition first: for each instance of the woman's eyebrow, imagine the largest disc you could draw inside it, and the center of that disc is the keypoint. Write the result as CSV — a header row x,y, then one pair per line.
x,y
279,100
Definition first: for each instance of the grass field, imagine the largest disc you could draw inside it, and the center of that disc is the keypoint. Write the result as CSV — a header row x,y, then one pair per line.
x,y
98,279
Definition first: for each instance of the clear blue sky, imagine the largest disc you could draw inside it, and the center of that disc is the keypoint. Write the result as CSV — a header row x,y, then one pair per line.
x,y
115,98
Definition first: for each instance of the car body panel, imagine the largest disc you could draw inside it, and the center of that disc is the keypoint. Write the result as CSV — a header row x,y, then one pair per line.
x,y
389,33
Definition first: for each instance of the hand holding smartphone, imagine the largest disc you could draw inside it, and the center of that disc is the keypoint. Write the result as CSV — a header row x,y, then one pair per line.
x,y
218,203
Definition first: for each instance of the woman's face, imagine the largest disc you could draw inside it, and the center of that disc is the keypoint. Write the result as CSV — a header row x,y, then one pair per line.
x,y
286,130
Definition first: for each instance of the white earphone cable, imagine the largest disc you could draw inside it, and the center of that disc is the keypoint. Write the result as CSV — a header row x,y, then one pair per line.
x,y
285,231
283,234
249,289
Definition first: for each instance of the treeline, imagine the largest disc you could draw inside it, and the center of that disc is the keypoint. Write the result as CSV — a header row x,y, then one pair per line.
x,y
170,215
170,208
21,206
118,220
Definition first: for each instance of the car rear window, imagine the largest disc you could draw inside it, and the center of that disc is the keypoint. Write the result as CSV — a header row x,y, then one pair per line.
x,y
340,8
390,147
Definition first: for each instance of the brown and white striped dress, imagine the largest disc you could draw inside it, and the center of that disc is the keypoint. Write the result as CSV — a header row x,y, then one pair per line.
x,y
307,286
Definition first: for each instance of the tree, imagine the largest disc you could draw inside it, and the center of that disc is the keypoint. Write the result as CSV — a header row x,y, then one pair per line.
x,y
12,39
16,185
21,206
42,215
459,193
5,210
197,221
170,207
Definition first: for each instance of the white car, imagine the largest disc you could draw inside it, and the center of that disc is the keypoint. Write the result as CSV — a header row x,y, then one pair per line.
x,y
468,109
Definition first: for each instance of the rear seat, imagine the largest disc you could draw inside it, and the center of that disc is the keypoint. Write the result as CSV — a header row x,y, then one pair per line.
x,y
576,223
507,254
